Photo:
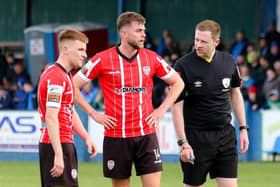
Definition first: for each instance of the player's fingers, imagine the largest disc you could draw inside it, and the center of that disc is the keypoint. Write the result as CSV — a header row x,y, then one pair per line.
x,y
56,171
108,124
112,118
112,122
94,153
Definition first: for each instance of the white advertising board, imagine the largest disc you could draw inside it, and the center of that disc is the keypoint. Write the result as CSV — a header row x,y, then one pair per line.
x,y
19,131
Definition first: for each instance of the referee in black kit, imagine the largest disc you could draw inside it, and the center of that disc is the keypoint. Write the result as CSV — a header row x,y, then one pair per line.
x,y
202,116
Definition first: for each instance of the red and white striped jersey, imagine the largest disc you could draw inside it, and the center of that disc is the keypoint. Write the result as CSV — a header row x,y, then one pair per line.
x,y
56,89
127,87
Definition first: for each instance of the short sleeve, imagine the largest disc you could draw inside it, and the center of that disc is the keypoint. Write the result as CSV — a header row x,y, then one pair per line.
x,y
163,70
91,69
236,78
55,88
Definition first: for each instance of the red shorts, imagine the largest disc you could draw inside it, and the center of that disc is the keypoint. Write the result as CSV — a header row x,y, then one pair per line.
x,y
70,173
120,153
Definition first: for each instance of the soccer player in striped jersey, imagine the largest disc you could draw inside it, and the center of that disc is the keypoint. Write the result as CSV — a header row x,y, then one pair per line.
x,y
126,75
58,158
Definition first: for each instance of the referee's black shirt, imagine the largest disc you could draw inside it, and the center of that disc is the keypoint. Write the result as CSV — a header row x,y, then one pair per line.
x,y
207,89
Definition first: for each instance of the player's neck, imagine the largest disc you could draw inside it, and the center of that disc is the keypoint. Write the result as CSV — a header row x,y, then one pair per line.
x,y
127,50
64,63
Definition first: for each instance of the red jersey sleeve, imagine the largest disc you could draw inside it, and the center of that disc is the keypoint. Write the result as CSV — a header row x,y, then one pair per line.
x,y
162,68
54,88
91,69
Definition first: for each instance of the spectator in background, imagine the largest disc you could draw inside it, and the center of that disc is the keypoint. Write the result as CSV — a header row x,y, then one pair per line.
x,y
247,79
3,67
276,67
241,60
98,103
252,98
16,73
20,96
31,96
240,44
5,99
274,52
89,92
272,82
273,101
149,44
262,46
252,54
272,34
165,33
174,57
170,46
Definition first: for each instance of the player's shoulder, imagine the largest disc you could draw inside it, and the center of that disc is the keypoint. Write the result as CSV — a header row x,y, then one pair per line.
x,y
149,52
53,72
103,55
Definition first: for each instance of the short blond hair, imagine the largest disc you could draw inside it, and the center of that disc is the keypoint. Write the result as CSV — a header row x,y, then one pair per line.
x,y
127,17
210,25
71,35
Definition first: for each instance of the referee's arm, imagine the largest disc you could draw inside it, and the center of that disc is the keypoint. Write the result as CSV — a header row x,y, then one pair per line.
x,y
237,104
186,152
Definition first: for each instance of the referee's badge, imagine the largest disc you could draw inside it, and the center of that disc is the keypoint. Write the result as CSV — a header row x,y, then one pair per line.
x,y
226,82
146,70
110,164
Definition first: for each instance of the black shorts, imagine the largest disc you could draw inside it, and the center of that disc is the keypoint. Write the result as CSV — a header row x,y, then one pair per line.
x,y
215,152
70,173
120,153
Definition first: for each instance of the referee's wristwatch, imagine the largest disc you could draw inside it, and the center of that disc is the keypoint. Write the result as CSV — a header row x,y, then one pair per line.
x,y
181,142
244,127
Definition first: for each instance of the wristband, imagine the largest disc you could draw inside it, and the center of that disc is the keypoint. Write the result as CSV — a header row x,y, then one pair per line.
x,y
181,142
244,127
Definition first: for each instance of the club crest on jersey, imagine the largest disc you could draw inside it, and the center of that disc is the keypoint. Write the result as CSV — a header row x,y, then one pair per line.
x,y
110,164
146,70
74,173
226,82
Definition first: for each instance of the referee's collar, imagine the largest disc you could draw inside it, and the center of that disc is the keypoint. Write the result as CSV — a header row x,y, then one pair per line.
x,y
207,60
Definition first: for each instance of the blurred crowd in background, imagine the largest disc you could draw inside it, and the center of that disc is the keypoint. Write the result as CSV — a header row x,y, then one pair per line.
x,y
258,62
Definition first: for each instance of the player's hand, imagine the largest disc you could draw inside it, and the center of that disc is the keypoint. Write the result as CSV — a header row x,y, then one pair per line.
x,y
154,117
105,120
92,148
244,141
58,165
186,153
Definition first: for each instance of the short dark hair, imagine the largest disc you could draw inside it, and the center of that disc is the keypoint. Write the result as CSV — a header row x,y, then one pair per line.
x,y
127,17
210,25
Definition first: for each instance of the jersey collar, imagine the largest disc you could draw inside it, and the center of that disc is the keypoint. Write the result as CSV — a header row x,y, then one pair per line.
x,y
127,59
61,67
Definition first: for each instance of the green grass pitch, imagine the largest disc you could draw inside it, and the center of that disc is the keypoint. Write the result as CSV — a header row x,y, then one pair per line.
x,y
26,174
